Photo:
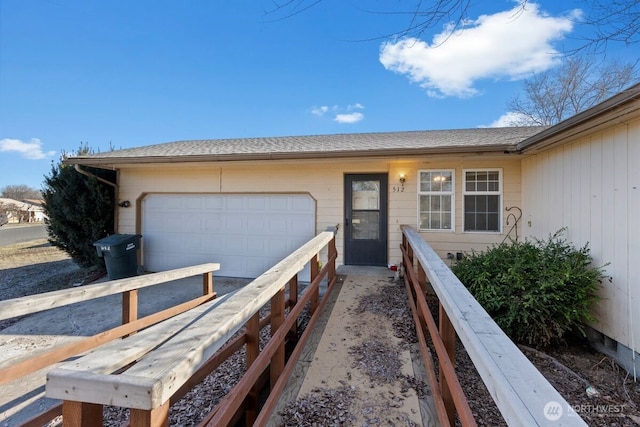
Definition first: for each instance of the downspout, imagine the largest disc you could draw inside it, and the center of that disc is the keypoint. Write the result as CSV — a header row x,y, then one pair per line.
x,y
84,172
104,181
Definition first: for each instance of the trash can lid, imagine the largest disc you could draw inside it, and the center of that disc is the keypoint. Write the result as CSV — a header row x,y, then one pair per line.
x,y
116,239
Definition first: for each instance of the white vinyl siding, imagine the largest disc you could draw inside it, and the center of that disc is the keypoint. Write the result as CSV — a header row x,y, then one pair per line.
x,y
482,200
436,200
591,188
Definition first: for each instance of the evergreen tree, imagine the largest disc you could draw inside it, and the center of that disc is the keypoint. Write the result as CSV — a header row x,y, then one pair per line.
x,y
80,210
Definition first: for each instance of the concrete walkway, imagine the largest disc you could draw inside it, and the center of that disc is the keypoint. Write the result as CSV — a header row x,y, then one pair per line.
x,y
329,361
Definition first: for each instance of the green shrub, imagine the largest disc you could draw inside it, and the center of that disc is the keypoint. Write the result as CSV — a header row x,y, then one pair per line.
x,y
536,291
80,210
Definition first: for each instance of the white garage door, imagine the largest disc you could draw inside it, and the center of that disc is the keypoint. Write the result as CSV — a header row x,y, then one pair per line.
x,y
247,233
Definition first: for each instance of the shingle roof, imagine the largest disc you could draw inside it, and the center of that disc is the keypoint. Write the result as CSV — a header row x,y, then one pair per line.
x,y
338,145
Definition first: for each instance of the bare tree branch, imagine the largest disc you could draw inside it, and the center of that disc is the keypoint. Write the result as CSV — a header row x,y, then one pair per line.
x,y
19,192
296,7
562,92
607,21
612,21
422,15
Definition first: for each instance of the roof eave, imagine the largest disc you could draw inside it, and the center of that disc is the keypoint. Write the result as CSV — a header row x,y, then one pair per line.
x,y
318,155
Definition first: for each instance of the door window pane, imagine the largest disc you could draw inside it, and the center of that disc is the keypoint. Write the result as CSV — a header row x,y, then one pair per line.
x,y
365,195
365,225
365,199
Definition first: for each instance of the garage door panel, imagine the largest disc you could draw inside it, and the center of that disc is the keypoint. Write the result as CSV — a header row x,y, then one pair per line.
x,y
194,222
257,224
278,224
279,246
175,204
233,264
154,223
214,204
298,226
155,204
303,205
235,203
169,222
193,204
214,245
282,203
257,246
234,245
235,223
258,203
214,223
192,242
246,234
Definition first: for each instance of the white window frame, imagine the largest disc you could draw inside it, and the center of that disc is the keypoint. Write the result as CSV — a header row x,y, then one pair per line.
x,y
451,194
498,193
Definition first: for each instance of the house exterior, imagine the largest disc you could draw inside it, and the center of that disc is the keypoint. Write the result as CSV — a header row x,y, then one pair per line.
x,y
193,200
22,211
246,203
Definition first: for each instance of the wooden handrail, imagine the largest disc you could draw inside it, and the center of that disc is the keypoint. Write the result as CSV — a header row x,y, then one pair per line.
x,y
131,324
452,389
230,404
147,387
33,364
41,302
520,391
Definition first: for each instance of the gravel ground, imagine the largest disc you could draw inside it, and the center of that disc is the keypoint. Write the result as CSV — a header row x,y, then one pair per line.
x,y
37,267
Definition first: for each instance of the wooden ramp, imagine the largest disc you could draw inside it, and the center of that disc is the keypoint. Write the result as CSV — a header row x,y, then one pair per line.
x,y
355,359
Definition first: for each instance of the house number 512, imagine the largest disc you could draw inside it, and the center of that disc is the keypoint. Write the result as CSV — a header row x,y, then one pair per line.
x,y
398,189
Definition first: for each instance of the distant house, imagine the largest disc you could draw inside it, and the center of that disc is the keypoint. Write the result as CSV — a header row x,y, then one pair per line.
x,y
25,211
247,202
37,210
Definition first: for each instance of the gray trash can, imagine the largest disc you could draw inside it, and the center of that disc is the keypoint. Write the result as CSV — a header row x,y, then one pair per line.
x,y
120,253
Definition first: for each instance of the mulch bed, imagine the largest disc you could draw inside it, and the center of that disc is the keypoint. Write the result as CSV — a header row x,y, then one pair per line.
x,y
594,385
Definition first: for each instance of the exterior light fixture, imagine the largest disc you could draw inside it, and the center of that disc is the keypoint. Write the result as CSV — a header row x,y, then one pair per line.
x,y
124,204
403,178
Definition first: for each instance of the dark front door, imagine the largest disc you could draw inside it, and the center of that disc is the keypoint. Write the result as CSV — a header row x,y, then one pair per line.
x,y
365,219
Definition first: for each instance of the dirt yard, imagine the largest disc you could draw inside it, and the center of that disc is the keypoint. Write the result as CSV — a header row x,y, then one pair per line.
x,y
37,267
601,392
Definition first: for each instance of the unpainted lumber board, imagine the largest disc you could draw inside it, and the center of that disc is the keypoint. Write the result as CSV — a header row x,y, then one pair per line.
x,y
161,372
519,390
115,355
46,301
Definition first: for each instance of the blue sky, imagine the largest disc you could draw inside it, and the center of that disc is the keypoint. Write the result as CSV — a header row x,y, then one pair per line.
x,y
130,73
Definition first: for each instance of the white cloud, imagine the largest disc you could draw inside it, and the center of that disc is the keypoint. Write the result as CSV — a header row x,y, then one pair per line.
x,y
511,119
341,114
319,111
349,118
31,150
510,44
